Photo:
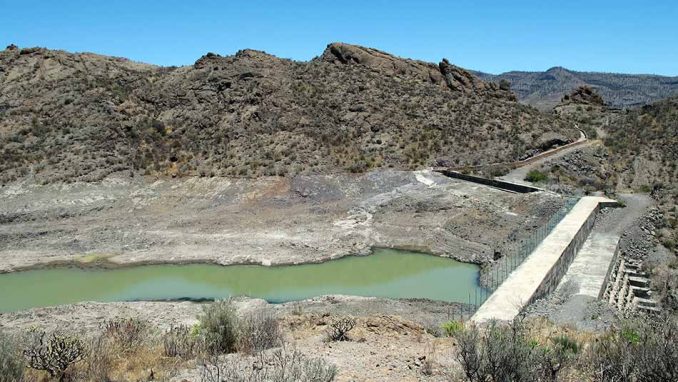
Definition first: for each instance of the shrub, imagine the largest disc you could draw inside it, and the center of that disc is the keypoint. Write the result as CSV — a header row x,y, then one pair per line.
x,y
258,331
281,365
181,341
53,353
218,326
535,176
11,361
495,171
97,360
640,351
339,328
505,353
611,359
469,353
452,327
554,357
128,333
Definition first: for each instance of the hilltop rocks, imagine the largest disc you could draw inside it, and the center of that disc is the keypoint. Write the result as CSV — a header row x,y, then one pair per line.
x,y
584,95
444,74
382,62
458,79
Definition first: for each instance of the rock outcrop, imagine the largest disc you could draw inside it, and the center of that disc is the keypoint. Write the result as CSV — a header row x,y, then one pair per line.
x,y
443,74
584,95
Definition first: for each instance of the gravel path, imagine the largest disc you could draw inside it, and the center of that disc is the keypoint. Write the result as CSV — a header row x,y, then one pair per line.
x,y
518,175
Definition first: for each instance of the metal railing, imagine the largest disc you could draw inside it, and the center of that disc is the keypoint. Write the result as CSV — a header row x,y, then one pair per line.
x,y
515,256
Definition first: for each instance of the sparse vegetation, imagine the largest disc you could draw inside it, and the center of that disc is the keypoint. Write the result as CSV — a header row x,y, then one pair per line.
x,y
127,333
258,331
536,176
316,121
282,365
339,328
639,351
53,353
180,341
129,349
11,360
219,327
452,327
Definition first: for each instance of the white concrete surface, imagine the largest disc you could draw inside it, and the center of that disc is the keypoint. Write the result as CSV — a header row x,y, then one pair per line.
x,y
590,266
517,290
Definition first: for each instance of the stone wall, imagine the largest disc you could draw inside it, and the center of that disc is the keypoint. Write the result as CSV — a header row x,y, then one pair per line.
x,y
490,182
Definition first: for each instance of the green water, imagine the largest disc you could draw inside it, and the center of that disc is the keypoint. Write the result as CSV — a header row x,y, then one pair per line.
x,y
386,273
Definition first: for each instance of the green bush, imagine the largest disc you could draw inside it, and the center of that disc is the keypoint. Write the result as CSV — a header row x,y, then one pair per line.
x,y
566,343
536,176
11,361
630,335
452,327
219,327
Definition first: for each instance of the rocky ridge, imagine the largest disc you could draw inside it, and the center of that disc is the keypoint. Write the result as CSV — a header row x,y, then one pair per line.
x,y
80,116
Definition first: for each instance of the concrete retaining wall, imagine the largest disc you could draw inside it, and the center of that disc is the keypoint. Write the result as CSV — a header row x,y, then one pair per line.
x,y
490,182
553,277
542,270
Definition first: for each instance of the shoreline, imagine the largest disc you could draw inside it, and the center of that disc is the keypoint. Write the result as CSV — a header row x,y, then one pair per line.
x,y
104,263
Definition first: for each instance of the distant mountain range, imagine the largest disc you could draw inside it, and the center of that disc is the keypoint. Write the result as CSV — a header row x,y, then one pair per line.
x,y
545,89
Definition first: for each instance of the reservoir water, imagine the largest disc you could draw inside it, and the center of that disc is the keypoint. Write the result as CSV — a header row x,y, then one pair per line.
x,y
385,273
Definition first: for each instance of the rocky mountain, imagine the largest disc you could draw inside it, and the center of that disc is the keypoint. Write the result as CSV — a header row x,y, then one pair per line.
x,y
80,116
584,95
545,89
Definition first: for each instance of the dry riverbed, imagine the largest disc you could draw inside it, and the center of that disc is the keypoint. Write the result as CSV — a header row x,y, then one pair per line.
x,y
262,221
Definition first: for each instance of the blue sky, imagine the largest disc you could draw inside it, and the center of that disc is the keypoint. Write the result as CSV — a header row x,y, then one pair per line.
x,y
492,36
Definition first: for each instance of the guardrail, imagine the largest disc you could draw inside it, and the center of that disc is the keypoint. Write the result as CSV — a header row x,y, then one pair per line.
x,y
517,254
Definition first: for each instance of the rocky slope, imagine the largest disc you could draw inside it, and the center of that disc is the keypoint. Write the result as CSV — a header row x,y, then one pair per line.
x,y
66,116
638,153
545,89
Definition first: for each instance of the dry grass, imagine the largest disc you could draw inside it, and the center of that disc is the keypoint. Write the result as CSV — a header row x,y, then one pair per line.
x,y
143,363
109,362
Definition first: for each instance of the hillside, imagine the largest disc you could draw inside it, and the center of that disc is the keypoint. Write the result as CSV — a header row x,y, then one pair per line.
x,y
545,89
67,116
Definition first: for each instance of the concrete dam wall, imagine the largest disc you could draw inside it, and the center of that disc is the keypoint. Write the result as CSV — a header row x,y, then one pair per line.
x,y
508,186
